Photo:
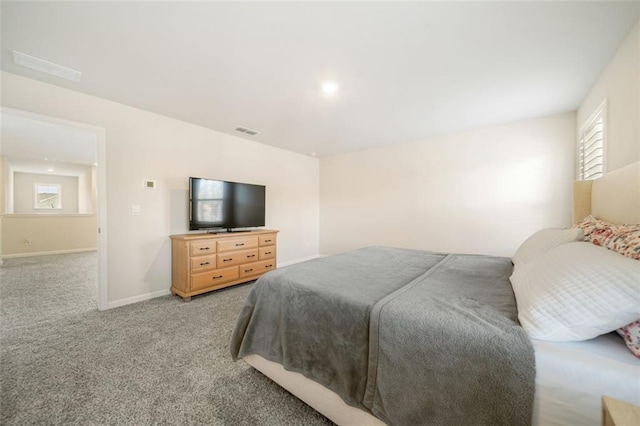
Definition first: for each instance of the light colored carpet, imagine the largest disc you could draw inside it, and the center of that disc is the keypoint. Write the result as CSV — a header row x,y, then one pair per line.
x,y
157,362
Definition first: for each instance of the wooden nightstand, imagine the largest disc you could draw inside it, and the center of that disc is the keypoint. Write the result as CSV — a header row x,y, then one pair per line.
x,y
619,413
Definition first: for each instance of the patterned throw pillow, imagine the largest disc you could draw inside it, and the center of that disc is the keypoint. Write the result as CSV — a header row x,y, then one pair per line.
x,y
623,239
596,231
631,335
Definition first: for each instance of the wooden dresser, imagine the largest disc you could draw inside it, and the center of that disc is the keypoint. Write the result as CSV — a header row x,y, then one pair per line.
x,y
206,262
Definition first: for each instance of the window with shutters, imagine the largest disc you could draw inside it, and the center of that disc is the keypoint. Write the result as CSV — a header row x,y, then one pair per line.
x,y
591,145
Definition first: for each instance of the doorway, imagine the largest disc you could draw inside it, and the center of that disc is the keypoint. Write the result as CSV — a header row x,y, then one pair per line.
x,y
40,155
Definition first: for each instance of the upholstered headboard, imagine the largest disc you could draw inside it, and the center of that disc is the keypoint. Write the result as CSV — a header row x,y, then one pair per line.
x,y
614,197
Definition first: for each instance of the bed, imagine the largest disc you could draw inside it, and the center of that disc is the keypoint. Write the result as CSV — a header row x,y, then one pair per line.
x,y
353,381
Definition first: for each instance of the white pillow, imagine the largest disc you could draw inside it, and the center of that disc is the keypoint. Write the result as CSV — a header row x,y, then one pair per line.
x,y
576,291
544,240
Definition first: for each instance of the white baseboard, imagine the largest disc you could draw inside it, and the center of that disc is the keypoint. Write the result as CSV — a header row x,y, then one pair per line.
x,y
47,253
159,293
304,259
136,299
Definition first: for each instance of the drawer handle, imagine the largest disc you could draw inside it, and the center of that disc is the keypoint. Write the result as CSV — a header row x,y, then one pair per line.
x,y
204,263
239,244
248,270
269,265
205,248
251,255
227,260
217,276
267,252
267,241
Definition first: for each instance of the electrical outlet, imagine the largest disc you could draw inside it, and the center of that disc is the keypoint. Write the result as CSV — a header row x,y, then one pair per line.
x,y
27,241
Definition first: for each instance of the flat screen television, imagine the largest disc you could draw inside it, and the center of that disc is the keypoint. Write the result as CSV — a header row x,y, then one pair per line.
x,y
218,204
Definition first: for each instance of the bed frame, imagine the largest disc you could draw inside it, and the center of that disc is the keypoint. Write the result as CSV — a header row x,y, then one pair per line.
x,y
614,198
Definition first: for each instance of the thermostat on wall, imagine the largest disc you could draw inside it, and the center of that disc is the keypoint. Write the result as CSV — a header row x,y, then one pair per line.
x,y
149,184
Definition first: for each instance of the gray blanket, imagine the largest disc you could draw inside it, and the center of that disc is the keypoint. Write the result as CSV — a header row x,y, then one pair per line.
x,y
413,337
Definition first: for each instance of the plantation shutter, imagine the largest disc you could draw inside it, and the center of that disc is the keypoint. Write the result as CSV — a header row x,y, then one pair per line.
x,y
591,147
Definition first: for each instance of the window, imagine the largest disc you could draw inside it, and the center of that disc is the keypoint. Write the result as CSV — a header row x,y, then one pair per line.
x,y
591,145
47,196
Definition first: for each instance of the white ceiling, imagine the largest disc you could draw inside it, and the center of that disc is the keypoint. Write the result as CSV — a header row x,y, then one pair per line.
x,y
35,146
407,71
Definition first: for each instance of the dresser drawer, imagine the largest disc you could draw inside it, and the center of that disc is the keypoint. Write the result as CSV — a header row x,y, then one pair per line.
x,y
268,252
237,257
257,268
212,278
267,240
238,244
203,263
202,247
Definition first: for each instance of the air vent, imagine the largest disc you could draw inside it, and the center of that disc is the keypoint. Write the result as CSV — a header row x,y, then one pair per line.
x,y
247,131
41,65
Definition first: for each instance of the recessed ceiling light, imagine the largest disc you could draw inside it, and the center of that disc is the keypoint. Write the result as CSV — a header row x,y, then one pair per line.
x,y
330,87
41,65
313,154
50,170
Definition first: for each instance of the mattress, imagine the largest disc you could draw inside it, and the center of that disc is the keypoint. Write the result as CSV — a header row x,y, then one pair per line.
x,y
570,381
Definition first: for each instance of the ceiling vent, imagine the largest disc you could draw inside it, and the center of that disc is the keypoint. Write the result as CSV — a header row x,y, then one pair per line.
x,y
247,131
41,65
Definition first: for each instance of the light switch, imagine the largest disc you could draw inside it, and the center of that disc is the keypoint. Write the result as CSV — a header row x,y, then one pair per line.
x,y
135,210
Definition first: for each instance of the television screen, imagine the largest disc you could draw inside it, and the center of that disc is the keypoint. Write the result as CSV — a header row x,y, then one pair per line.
x,y
221,204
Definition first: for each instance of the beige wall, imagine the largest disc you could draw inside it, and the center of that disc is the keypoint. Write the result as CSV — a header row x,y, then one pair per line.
x,y
23,193
142,145
85,191
47,233
478,192
619,83
8,186
3,170
33,231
